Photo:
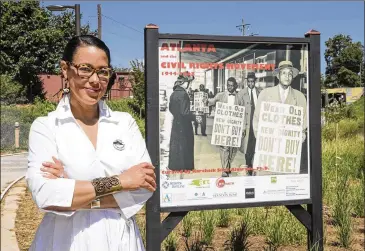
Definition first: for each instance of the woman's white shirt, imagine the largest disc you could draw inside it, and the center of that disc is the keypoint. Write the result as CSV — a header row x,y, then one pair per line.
x,y
120,145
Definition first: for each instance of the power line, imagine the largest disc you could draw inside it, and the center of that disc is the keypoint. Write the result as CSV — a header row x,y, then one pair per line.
x,y
242,27
122,24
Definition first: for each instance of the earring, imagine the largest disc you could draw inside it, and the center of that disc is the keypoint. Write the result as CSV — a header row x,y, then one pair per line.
x,y
104,106
65,90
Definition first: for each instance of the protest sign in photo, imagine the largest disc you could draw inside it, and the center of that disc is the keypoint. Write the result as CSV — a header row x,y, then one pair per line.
x,y
279,138
228,125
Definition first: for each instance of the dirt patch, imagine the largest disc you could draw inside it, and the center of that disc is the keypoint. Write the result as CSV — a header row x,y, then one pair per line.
x,y
27,221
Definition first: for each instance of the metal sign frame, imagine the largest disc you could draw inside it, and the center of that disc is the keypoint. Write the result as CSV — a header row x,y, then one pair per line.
x,y
311,218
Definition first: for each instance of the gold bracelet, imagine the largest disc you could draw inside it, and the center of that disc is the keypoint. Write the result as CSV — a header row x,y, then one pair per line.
x,y
106,185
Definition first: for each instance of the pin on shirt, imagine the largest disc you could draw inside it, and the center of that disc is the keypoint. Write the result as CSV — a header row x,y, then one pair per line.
x,y
119,145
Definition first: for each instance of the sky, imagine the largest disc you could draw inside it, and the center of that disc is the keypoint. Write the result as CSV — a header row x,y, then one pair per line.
x,y
123,22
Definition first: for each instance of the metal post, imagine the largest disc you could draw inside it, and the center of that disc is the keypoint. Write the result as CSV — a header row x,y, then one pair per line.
x,y
315,236
153,219
16,134
78,19
99,21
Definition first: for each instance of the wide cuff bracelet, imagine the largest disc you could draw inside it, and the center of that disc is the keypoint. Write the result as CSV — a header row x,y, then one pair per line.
x,y
106,185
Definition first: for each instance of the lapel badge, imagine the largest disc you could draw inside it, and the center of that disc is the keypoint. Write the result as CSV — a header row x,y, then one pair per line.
x,y
119,145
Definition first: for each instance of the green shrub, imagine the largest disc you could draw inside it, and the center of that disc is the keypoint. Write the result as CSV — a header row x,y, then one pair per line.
x,y
358,109
345,128
125,105
336,113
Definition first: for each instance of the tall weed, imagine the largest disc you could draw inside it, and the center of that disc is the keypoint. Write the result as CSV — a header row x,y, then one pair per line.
x,y
171,242
275,228
223,217
357,195
238,238
207,226
187,225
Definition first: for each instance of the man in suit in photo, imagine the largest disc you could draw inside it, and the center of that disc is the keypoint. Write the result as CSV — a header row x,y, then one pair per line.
x,y
250,94
203,116
285,94
231,96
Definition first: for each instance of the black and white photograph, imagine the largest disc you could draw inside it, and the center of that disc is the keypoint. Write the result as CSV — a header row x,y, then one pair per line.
x,y
232,112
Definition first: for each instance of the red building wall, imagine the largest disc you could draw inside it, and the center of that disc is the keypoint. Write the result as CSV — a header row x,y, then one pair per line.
x,y
52,84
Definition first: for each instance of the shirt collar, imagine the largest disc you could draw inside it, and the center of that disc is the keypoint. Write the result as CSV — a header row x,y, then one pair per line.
x,y
235,92
63,109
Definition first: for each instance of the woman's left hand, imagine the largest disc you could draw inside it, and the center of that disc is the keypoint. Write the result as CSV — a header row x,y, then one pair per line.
x,y
53,170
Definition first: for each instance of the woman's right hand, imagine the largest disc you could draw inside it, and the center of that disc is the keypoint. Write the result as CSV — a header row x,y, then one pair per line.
x,y
139,176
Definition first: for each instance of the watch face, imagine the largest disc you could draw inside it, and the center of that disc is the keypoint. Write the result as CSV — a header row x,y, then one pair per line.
x,y
95,203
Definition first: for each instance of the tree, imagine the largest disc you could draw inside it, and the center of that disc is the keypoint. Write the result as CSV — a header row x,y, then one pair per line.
x,y
343,58
121,69
11,91
322,81
138,85
32,42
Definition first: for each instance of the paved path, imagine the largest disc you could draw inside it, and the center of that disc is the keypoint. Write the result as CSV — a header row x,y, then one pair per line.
x,y
8,215
12,167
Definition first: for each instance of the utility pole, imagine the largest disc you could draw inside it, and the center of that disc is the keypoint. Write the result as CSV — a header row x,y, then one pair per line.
x,y
99,21
242,27
78,19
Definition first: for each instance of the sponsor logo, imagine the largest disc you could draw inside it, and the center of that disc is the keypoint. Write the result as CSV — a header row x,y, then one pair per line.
x,y
221,183
165,185
225,194
166,198
173,184
274,180
280,191
200,196
250,193
200,183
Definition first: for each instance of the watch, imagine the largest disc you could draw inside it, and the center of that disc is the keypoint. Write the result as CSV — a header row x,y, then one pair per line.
x,y
95,204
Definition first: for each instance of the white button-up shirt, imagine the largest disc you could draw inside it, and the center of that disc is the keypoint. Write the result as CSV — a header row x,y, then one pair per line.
x,y
59,135
231,98
254,95
283,93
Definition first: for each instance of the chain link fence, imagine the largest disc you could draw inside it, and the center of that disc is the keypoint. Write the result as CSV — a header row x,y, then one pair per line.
x,y
10,115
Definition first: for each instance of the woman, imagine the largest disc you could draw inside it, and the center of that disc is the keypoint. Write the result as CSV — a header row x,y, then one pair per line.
x,y
181,156
89,168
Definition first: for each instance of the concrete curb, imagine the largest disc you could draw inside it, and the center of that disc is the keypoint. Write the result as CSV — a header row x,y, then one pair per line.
x,y
12,154
8,215
8,187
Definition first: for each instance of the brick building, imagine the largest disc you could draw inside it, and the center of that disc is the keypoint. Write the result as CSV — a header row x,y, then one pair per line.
x,y
53,85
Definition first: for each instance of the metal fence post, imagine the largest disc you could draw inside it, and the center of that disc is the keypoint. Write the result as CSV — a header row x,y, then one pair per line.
x,y
16,134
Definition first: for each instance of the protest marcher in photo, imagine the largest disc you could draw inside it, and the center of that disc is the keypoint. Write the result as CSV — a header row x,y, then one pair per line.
x,y
250,95
283,93
227,154
202,117
88,166
210,95
181,156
